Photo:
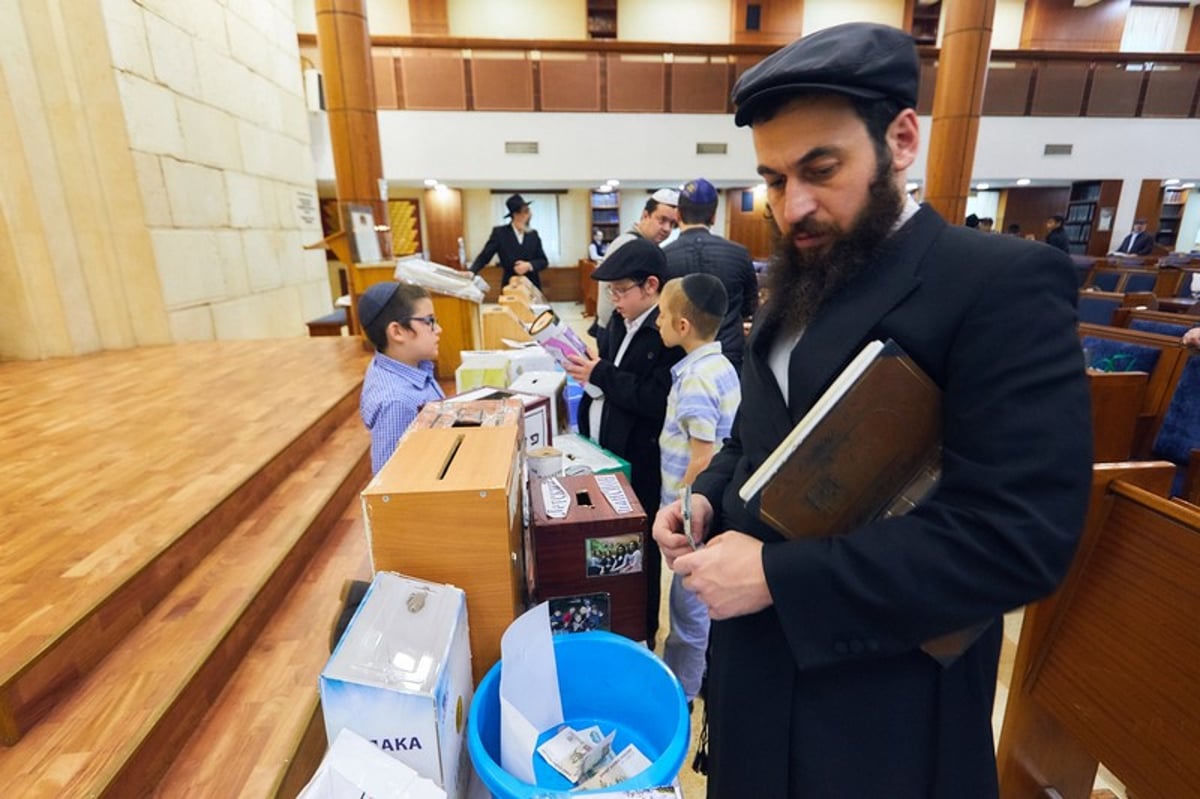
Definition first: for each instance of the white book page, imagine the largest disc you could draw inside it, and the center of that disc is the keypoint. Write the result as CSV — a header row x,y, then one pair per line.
x,y
841,384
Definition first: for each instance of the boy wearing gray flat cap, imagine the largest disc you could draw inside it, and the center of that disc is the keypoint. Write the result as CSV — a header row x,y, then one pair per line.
x,y
818,685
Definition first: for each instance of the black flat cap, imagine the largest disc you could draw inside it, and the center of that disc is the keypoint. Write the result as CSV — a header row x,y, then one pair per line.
x,y
858,59
637,259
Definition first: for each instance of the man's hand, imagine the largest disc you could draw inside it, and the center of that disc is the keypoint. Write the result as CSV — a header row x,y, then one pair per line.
x,y
1192,338
522,267
727,575
581,367
668,527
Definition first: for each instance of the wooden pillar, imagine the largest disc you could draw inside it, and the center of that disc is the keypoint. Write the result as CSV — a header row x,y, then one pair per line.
x,y
957,103
345,47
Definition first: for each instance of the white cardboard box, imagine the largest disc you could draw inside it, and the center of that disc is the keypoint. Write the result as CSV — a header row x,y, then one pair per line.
x,y
401,677
548,384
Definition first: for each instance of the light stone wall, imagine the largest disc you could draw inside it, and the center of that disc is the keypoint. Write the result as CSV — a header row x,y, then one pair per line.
x,y
214,106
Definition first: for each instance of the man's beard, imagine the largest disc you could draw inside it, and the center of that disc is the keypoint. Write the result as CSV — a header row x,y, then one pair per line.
x,y
799,282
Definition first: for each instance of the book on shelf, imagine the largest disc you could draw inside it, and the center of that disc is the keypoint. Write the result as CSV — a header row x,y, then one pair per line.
x,y
869,448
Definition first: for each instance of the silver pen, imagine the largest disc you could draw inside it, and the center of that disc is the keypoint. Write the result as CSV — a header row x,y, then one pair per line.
x,y
687,515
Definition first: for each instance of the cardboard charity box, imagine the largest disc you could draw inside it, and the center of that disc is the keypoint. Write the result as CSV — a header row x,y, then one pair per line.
x,y
447,508
401,677
481,368
581,455
536,422
549,384
490,412
588,563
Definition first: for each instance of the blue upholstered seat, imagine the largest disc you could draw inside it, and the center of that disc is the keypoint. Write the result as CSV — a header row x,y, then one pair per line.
x,y
1108,355
1162,328
1106,281
1140,282
1180,431
1097,310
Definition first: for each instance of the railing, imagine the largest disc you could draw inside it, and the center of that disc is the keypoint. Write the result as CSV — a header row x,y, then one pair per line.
x,y
453,74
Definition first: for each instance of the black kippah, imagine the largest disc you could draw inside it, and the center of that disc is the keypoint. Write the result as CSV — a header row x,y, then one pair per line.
x,y
706,293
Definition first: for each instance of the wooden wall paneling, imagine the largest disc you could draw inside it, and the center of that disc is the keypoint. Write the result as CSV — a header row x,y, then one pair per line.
x,y
1115,91
926,87
429,17
383,65
741,63
433,79
1170,90
1030,206
444,226
1061,25
780,21
1006,90
635,83
570,81
698,85
1059,91
750,228
1149,206
502,81
1193,40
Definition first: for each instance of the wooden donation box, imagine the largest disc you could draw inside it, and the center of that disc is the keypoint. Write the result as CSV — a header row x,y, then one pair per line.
x,y
447,508
588,564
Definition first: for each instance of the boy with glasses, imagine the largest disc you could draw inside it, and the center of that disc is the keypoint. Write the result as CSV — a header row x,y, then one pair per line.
x,y
398,319
634,372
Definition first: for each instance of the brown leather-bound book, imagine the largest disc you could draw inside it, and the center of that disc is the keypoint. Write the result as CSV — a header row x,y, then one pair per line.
x,y
869,448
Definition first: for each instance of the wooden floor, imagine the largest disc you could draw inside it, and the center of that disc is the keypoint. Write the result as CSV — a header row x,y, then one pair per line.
x,y
163,508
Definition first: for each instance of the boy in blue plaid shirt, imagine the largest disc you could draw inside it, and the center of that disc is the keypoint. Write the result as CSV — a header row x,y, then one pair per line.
x,y
705,393
398,319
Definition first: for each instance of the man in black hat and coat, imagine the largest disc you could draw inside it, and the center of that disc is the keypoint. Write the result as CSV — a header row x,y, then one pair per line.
x,y
818,685
517,244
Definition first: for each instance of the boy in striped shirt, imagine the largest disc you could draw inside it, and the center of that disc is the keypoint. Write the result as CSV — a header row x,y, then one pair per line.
x,y
705,393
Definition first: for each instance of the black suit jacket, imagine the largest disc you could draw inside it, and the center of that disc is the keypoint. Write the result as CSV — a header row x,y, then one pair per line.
x,y
635,402
826,693
1137,244
503,242
1058,238
698,250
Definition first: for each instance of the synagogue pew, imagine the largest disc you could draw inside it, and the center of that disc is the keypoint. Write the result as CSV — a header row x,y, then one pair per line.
x,y
1117,399
1125,280
1099,307
1108,668
1167,323
1120,349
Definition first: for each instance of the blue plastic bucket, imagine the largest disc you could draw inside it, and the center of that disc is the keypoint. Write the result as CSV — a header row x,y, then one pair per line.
x,y
606,680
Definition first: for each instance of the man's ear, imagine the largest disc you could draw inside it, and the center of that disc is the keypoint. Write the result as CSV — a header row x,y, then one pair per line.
x,y
904,139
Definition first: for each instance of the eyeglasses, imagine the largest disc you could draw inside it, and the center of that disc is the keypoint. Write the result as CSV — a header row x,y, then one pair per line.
x,y
430,320
618,293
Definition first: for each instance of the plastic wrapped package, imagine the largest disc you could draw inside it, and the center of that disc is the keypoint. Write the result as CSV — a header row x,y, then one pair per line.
x,y
439,278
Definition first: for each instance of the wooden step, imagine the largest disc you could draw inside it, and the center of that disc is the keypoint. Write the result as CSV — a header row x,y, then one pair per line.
x,y
118,733
126,470
265,735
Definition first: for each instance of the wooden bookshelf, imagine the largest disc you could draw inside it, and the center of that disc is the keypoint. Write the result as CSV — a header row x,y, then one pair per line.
x,y
924,20
1091,202
602,19
606,213
1170,213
